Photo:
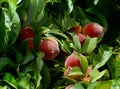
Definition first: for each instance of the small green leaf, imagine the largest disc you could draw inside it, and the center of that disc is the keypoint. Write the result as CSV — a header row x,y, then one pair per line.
x,y
111,65
75,71
102,57
39,12
65,46
58,34
4,87
96,75
36,77
15,28
28,57
39,61
46,77
31,13
89,45
70,6
92,85
76,45
104,85
12,4
35,14
84,63
10,23
9,78
117,67
24,82
3,30
78,86
115,84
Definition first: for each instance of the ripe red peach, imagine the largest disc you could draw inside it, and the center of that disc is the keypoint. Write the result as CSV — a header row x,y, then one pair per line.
x,y
72,60
81,38
93,29
26,33
76,29
50,48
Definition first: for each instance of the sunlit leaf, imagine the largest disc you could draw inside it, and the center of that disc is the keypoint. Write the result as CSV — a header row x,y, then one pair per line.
x,y
117,67
89,45
78,86
102,57
9,78
96,75
104,84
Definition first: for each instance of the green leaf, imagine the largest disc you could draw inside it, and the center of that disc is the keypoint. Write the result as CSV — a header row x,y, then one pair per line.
x,y
31,13
9,79
117,67
35,14
115,84
77,86
84,63
96,75
28,57
12,4
36,77
89,45
46,76
103,85
75,71
3,30
15,28
24,4
24,82
80,16
76,45
102,57
10,23
65,22
4,61
111,65
58,34
39,12
39,60
70,5
4,87
19,57
65,46
92,85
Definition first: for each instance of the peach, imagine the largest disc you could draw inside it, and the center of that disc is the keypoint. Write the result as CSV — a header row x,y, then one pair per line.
x,y
76,29
26,33
50,48
93,29
66,72
72,60
81,38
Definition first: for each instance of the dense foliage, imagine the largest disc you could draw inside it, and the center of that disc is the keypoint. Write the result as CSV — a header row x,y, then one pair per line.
x,y
23,63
